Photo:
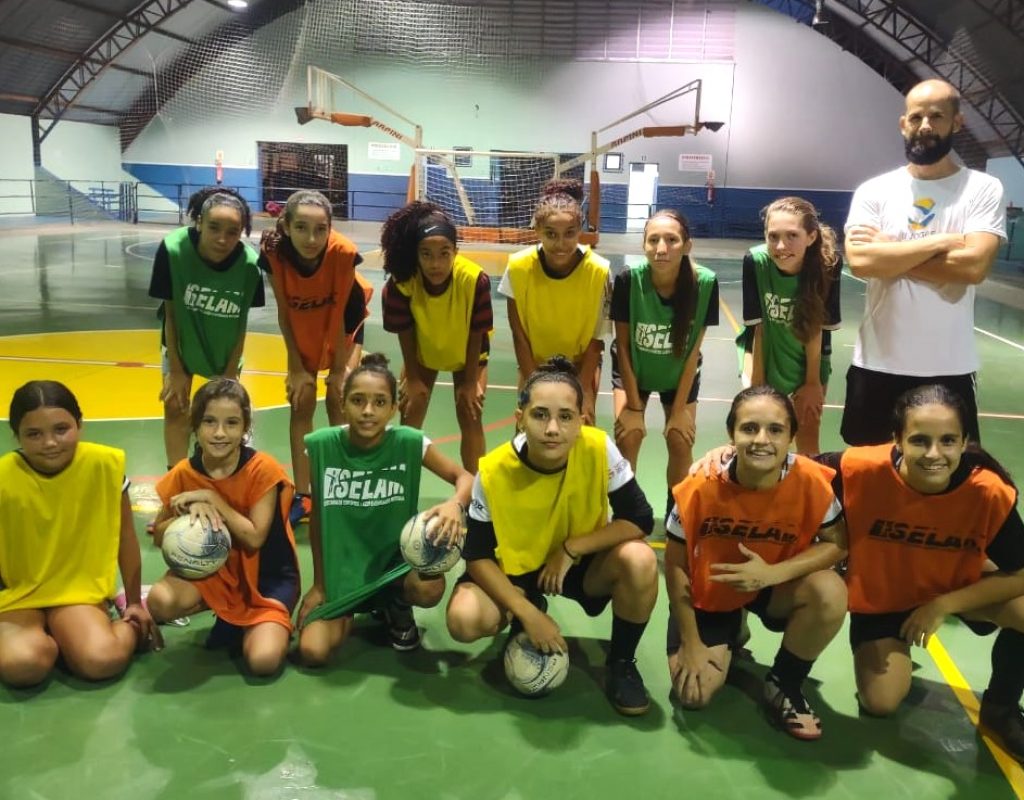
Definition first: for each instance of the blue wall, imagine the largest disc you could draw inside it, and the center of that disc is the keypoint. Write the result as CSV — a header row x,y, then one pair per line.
x,y
735,213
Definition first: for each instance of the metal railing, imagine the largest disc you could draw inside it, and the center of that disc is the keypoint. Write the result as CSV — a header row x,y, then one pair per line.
x,y
74,200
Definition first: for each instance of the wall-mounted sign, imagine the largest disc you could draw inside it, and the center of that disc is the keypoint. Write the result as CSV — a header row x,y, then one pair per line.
x,y
384,151
694,162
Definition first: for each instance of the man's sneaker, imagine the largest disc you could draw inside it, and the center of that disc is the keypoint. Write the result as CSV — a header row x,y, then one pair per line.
x,y
402,627
625,688
789,710
1004,723
302,505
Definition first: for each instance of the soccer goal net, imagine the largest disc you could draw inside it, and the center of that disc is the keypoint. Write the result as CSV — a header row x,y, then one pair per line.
x,y
489,194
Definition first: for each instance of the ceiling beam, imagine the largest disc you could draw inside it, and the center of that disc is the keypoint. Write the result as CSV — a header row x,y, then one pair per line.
x,y
57,52
106,12
100,56
18,98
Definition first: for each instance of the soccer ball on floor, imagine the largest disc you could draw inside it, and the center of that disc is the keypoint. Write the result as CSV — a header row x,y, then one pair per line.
x,y
531,672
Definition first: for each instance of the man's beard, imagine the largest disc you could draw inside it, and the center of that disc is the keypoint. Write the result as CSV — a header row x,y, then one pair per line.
x,y
927,150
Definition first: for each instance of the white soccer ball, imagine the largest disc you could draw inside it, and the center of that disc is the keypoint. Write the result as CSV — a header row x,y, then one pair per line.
x,y
531,672
193,550
422,554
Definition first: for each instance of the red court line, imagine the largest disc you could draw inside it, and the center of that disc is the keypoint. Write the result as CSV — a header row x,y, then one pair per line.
x,y
492,426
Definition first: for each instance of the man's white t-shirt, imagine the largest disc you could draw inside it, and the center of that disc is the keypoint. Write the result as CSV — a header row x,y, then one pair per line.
x,y
911,326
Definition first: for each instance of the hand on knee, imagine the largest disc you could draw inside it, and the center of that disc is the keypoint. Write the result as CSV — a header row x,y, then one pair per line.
x,y
629,443
305,404
160,603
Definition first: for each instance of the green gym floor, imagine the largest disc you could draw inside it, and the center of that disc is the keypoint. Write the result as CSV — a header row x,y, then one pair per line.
x,y
441,722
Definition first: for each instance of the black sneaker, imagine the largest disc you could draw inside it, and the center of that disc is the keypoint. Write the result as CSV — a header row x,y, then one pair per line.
x,y
402,627
1004,722
790,711
625,688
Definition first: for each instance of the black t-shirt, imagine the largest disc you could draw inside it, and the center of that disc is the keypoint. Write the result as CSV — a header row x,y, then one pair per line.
x,y
355,308
620,301
752,301
628,502
160,281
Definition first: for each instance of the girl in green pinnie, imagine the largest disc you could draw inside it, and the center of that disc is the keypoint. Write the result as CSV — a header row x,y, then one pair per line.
x,y
208,280
661,309
366,485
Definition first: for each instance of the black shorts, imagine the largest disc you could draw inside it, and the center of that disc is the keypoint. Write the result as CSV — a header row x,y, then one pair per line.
x,y
667,397
572,587
485,352
872,627
723,627
871,396
283,587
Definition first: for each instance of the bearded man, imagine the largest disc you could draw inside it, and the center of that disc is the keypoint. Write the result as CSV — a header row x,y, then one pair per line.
x,y
922,237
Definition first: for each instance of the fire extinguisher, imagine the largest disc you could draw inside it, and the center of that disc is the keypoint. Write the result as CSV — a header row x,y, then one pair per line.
x,y
709,184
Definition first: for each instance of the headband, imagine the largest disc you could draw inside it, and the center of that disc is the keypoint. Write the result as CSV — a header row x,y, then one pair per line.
x,y
435,225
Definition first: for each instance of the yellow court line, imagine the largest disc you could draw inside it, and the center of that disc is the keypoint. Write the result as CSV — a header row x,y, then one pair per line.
x,y
728,314
951,673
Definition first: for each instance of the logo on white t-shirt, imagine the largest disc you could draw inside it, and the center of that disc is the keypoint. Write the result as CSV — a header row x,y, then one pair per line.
x,y
923,213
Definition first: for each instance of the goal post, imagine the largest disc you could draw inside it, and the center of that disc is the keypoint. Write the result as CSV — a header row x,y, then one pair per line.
x,y
489,194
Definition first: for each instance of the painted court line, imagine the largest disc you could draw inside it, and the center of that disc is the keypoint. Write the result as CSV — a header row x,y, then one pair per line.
x,y
995,336
951,673
947,667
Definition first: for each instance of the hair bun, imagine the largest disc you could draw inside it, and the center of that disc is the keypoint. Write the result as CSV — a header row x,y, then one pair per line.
x,y
569,186
374,360
558,363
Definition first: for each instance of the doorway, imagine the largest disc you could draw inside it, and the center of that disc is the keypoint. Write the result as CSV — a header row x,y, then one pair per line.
x,y
643,192
286,167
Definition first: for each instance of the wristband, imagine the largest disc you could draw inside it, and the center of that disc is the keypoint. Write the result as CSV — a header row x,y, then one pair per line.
x,y
575,558
638,410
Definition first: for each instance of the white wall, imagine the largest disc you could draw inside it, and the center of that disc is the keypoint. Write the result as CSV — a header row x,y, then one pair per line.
x,y
16,170
800,112
1011,173
80,151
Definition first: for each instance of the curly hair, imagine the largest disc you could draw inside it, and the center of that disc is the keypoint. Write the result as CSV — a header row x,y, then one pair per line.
x,y
559,196
202,201
820,268
398,239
